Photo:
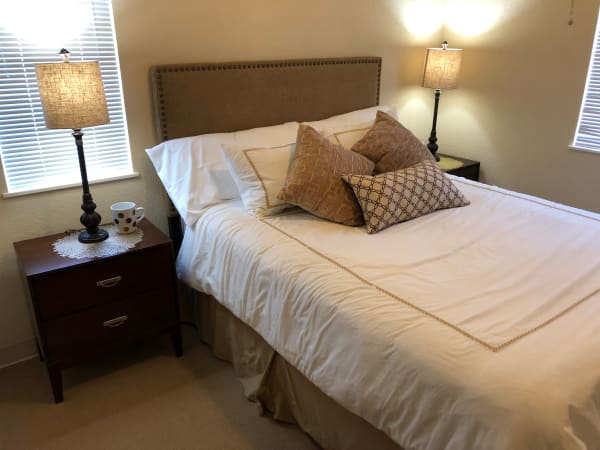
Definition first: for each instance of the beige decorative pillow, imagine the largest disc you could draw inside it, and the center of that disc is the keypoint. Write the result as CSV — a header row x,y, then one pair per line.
x,y
391,146
259,174
314,180
405,194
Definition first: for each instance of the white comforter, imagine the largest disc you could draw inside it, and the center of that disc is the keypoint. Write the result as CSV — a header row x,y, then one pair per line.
x,y
470,328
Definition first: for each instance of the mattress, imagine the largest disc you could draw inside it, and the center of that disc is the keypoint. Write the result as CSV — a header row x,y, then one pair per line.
x,y
468,328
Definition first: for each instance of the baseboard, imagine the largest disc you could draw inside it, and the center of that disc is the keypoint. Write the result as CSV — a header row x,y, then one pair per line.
x,y
16,353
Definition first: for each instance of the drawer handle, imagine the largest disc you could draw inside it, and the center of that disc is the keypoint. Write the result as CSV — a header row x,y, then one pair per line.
x,y
109,282
116,322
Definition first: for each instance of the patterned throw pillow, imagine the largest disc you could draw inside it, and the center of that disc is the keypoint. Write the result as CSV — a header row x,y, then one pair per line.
x,y
314,180
395,197
391,146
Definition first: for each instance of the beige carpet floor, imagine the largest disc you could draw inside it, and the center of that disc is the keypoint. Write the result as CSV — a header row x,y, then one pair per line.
x,y
141,398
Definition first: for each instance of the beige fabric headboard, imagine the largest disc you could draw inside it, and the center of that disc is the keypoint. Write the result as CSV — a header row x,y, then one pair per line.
x,y
192,99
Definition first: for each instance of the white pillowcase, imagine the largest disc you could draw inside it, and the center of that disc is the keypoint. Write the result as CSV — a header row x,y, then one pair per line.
x,y
348,129
347,137
193,169
259,174
351,120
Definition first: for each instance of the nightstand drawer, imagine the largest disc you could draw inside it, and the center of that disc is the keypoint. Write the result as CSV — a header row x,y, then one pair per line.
x,y
76,334
77,288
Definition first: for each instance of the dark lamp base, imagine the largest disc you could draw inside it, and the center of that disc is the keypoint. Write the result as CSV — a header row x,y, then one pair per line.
x,y
432,145
89,238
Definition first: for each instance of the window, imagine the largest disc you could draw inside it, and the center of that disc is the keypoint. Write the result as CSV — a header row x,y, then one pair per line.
x,y
587,136
33,157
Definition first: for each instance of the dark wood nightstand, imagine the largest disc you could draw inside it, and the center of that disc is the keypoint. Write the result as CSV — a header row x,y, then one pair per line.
x,y
86,307
461,167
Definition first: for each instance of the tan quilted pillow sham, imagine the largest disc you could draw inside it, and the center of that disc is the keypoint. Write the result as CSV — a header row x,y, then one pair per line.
x,y
405,194
314,180
391,146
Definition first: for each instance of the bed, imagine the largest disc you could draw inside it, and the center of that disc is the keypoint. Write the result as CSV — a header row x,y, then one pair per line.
x,y
466,328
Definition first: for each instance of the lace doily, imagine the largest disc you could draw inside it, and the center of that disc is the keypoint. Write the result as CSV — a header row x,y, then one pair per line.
x,y
70,247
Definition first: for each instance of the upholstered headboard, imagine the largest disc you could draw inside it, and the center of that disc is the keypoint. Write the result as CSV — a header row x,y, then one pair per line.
x,y
192,99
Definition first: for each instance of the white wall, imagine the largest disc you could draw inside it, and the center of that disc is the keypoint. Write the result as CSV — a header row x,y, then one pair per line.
x,y
515,109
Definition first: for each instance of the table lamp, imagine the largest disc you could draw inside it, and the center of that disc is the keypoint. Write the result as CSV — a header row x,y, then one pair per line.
x,y
72,96
441,72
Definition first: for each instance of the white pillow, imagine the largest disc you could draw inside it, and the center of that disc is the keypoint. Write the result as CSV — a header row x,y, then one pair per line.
x,y
347,137
352,119
259,174
193,169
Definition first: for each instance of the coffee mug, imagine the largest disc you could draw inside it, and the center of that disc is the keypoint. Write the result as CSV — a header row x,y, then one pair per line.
x,y
126,216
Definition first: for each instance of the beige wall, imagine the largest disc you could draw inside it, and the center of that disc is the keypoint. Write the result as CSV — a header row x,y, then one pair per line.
x,y
515,110
518,105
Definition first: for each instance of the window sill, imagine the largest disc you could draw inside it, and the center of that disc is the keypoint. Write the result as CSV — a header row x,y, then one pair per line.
x,y
69,186
581,149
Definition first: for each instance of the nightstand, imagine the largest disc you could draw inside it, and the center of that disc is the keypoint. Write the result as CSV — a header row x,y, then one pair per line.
x,y
461,167
85,307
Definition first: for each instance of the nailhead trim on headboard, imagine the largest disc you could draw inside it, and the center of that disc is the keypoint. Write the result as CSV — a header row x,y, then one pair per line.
x,y
157,73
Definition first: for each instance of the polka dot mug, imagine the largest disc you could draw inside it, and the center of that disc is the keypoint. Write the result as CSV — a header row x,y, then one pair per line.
x,y
126,216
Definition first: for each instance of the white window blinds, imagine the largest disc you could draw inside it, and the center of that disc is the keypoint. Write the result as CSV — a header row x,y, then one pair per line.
x,y
587,136
33,157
